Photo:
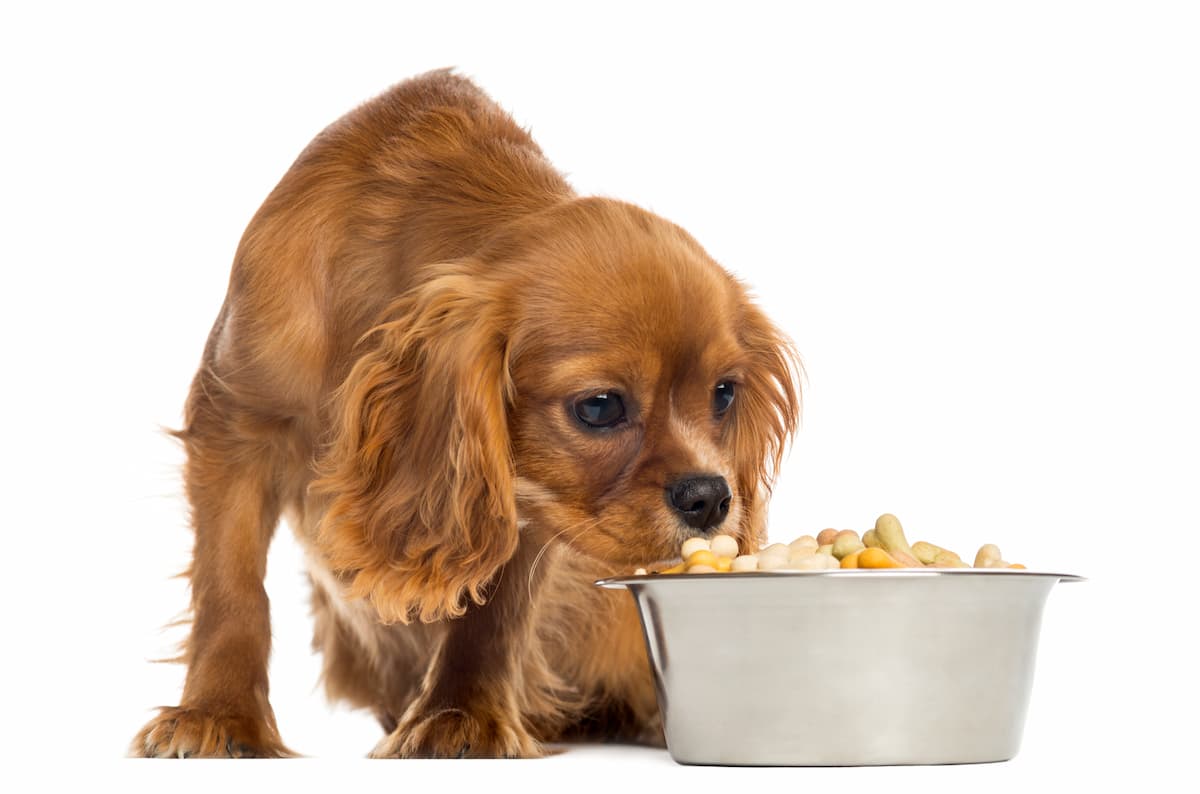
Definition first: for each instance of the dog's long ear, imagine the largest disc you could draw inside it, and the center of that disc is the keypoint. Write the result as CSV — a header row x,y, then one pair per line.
x,y
765,415
418,471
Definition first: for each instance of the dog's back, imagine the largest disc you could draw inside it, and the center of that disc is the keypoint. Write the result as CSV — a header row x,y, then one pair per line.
x,y
423,173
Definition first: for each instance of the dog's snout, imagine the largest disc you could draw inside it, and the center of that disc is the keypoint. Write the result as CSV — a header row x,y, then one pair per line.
x,y
703,502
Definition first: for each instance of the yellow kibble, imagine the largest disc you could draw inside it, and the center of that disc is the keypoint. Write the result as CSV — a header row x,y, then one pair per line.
x,y
1018,566
876,558
680,568
701,557
724,564
851,559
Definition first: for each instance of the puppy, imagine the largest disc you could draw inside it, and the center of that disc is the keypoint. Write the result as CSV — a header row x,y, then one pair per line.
x,y
471,393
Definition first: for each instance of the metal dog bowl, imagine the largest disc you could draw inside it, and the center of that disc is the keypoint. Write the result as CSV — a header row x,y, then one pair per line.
x,y
843,667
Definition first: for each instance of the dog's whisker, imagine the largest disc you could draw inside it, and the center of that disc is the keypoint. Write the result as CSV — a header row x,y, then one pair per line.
x,y
577,528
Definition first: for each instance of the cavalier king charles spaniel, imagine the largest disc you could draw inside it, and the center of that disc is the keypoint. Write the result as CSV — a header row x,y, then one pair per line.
x,y
471,392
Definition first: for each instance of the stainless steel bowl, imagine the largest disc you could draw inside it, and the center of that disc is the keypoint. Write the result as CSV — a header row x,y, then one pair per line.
x,y
843,667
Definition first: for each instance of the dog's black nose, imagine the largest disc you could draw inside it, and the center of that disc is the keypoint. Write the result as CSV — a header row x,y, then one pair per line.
x,y
702,501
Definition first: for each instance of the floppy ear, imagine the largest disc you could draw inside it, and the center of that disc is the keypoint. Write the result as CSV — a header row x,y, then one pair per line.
x,y
419,471
765,415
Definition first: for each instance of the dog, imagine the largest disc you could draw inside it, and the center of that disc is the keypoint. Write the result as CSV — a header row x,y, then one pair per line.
x,y
471,392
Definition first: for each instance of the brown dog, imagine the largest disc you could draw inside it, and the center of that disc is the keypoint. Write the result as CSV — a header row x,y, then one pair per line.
x,y
472,393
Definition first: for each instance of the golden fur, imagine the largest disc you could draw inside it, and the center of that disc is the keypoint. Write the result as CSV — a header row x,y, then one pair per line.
x,y
410,316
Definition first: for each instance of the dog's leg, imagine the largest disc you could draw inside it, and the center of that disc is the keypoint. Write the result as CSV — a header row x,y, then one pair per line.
x,y
232,482
470,703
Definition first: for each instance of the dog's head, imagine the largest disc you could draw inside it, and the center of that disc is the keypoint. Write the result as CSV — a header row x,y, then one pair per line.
x,y
591,377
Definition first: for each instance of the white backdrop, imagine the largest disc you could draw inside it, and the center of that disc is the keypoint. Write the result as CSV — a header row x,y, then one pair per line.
x,y
977,221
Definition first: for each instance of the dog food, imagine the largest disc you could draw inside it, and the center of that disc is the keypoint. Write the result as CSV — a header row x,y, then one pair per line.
x,y
884,546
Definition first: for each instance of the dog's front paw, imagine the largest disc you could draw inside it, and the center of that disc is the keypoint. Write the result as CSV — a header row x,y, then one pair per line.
x,y
192,733
455,733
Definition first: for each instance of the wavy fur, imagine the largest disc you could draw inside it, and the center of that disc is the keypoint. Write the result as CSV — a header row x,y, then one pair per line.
x,y
413,316
419,467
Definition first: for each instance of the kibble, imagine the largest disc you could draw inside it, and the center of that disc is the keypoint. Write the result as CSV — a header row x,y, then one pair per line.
x,y
875,557
825,537
746,562
846,542
724,546
801,552
987,555
804,542
926,552
692,545
884,546
813,562
892,540
771,562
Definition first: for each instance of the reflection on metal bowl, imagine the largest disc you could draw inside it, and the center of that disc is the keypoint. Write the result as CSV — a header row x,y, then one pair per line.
x,y
843,668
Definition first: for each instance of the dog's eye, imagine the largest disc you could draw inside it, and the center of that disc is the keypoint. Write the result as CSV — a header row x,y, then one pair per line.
x,y
722,398
601,410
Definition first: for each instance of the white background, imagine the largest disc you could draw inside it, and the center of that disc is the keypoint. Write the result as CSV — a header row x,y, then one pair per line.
x,y
978,221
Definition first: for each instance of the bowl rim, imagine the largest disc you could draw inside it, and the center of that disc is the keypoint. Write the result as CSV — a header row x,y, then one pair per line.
x,y
618,582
